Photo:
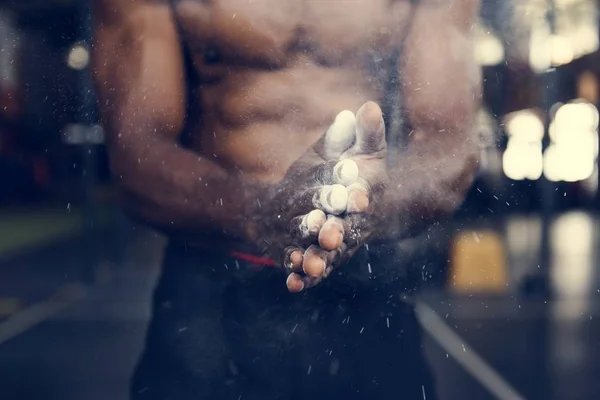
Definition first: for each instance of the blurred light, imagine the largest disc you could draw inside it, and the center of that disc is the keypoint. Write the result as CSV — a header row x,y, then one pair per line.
x,y
525,125
572,240
577,22
572,233
568,163
540,49
489,49
525,26
522,235
571,157
584,39
522,158
576,118
575,32
561,50
78,57
478,263
549,50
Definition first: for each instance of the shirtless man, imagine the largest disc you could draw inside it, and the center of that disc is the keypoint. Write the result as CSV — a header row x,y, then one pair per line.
x,y
217,112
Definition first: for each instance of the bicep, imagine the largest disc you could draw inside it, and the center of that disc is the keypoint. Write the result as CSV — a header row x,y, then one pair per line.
x,y
138,70
441,79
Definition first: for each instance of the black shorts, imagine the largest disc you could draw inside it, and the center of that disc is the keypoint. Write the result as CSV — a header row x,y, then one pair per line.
x,y
224,330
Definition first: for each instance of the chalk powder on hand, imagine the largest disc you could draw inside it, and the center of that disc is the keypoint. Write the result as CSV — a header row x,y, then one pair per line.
x,y
337,199
341,134
312,222
346,172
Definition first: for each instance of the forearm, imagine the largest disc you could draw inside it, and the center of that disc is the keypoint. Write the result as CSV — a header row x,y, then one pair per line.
x,y
175,190
139,77
431,180
442,92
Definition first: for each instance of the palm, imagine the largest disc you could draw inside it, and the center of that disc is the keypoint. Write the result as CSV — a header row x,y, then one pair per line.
x,y
359,142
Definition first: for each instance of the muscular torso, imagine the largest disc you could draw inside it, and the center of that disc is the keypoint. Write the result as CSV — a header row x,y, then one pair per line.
x,y
272,74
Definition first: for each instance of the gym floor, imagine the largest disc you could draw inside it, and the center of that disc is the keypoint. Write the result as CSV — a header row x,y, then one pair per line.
x,y
493,331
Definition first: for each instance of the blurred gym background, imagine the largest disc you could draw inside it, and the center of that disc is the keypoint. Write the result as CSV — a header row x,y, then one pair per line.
x,y
506,290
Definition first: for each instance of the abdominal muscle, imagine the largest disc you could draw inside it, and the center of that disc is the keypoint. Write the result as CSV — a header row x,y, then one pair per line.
x,y
260,122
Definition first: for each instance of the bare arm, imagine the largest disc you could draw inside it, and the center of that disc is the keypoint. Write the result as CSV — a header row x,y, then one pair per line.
x,y
141,86
139,74
442,94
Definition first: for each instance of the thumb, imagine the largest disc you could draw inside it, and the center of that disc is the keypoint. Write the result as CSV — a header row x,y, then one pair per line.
x,y
370,131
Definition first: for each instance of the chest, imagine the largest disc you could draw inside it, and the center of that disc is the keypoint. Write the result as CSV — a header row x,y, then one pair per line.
x,y
271,32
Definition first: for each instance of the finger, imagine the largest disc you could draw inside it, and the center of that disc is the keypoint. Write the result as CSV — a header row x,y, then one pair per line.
x,y
294,283
331,235
370,130
341,135
293,258
308,225
358,197
337,233
314,264
331,259
345,172
297,283
332,199
317,262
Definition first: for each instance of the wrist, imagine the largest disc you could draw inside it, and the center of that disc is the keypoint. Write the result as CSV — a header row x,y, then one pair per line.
x,y
253,200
